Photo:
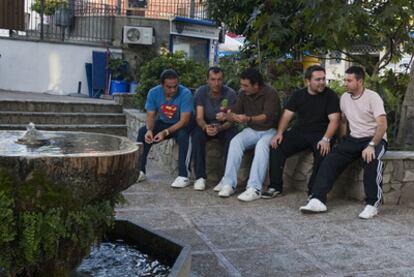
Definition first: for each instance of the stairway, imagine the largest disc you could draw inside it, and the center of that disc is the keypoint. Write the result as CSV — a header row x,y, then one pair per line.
x,y
63,116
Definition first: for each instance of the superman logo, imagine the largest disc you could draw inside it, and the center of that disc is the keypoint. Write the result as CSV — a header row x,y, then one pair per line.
x,y
169,110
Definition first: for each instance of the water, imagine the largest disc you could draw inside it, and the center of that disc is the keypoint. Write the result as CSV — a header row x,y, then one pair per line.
x,y
60,143
113,259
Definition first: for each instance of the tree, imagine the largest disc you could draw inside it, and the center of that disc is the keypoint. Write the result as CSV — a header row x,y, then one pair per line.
x,y
351,27
405,138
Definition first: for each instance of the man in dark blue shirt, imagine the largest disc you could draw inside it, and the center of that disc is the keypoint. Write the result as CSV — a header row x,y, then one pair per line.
x,y
211,99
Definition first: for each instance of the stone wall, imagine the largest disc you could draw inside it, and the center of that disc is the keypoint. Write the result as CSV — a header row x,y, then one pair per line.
x,y
398,177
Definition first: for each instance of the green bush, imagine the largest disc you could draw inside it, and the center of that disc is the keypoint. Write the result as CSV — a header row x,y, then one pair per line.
x,y
191,74
44,229
392,87
50,6
232,67
337,86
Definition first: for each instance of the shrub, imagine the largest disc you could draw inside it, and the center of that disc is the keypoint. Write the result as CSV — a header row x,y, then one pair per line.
x,y
232,67
50,6
191,74
44,229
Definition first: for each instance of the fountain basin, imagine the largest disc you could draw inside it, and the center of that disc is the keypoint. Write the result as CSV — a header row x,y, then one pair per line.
x,y
94,166
167,250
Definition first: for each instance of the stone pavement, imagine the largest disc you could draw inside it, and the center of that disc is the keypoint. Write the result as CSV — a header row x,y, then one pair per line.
x,y
271,237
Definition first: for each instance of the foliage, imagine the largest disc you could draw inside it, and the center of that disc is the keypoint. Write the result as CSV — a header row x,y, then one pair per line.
x,y
337,86
277,27
286,76
232,67
50,6
191,74
392,88
118,68
44,229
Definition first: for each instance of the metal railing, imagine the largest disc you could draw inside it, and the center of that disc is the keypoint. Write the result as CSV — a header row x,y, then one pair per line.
x,y
166,9
92,21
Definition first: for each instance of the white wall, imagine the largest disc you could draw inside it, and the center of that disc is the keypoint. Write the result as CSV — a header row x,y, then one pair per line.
x,y
44,67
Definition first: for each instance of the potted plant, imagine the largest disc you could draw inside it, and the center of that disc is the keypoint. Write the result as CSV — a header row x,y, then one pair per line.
x,y
118,68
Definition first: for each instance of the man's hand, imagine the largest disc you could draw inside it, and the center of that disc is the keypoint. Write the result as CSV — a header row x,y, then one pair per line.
x,y
324,147
160,136
240,118
221,116
368,155
276,140
212,129
149,137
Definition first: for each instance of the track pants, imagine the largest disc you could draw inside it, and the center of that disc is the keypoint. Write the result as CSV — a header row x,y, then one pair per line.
x,y
294,141
342,155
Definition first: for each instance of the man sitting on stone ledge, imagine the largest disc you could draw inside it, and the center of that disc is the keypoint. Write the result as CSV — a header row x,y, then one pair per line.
x,y
363,109
209,100
317,119
173,103
258,106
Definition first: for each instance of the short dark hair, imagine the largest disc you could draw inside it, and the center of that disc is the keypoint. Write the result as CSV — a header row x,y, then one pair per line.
x,y
358,71
168,74
215,70
253,75
309,71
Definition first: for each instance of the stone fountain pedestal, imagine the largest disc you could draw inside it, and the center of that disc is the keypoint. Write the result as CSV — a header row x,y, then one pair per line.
x,y
105,166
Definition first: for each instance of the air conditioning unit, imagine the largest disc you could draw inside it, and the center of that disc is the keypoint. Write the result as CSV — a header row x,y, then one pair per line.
x,y
137,35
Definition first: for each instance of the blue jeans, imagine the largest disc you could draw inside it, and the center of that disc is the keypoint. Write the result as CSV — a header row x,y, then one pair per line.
x,y
247,139
182,137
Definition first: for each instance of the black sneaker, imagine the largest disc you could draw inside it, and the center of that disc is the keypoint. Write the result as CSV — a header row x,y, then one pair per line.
x,y
270,193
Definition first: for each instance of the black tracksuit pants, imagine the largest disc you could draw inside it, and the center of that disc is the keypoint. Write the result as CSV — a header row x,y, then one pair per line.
x,y
343,154
294,141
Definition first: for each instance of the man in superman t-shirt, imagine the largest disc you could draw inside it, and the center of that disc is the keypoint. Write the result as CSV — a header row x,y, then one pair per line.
x,y
169,109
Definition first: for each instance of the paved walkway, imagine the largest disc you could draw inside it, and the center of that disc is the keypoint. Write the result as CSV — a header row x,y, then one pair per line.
x,y
271,237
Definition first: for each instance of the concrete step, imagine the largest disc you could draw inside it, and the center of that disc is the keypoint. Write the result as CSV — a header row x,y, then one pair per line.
x,y
9,117
62,107
120,130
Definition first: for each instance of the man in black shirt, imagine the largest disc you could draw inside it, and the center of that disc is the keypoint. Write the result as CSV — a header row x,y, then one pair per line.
x,y
317,119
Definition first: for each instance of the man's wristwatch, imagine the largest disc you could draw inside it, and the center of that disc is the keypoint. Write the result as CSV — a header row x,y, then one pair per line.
x,y
325,139
371,143
167,133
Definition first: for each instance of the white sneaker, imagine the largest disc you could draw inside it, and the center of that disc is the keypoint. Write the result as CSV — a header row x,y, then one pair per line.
x,y
218,187
180,182
249,194
368,212
226,191
314,206
200,184
141,177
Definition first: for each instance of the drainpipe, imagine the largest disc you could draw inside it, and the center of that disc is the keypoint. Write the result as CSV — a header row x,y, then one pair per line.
x,y
192,8
42,10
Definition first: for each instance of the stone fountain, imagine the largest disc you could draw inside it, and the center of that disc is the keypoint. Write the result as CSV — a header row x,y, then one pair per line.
x,y
94,165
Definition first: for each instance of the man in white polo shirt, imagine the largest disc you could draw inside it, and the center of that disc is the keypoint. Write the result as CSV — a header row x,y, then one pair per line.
x,y
363,109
